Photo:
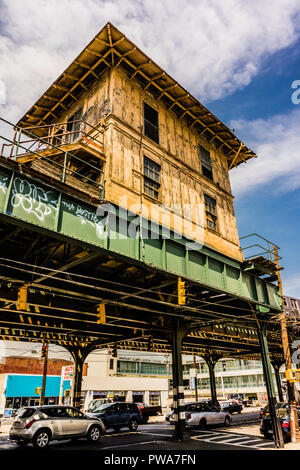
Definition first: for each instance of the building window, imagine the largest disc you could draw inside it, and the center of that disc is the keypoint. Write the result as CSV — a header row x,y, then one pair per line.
x,y
151,177
294,304
205,162
151,123
211,214
73,126
111,364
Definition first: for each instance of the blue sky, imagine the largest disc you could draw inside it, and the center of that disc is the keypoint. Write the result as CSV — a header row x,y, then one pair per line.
x,y
269,210
239,58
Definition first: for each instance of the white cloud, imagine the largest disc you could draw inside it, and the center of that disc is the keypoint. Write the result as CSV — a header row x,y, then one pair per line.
x,y
277,144
212,47
291,286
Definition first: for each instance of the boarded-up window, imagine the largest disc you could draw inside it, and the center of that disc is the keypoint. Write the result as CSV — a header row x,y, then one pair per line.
x,y
151,123
205,159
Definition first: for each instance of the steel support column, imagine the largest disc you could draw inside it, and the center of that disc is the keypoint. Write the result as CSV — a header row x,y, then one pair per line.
x,y
79,355
177,335
276,366
265,356
211,362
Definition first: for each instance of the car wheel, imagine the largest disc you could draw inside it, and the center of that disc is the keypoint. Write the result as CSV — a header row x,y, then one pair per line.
x,y
202,424
133,425
94,433
227,421
41,439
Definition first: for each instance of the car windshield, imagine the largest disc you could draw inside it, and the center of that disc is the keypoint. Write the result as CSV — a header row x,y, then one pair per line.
x,y
102,407
95,404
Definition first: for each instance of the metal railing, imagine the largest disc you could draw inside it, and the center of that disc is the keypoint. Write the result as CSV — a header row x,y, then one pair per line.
x,y
53,136
71,166
258,243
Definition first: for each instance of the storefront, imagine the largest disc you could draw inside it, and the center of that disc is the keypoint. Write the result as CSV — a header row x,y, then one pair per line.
x,y
154,399
98,395
117,395
138,397
24,390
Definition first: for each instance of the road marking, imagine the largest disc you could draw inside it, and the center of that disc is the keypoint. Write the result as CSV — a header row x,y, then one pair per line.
x,y
236,440
128,445
240,439
155,434
264,444
121,433
243,442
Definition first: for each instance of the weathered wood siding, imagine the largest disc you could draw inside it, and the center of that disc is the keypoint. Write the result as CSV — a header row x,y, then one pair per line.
x,y
120,101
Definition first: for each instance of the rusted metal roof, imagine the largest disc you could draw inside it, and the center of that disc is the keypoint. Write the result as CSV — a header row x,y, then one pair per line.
x,y
108,50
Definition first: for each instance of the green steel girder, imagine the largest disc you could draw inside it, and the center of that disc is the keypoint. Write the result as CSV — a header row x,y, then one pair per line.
x,y
25,200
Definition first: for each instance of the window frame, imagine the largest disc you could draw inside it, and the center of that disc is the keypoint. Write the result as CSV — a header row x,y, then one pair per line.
x,y
145,104
211,215
205,165
154,184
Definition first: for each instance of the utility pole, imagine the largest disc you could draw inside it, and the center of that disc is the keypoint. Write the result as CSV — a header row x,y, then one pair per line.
x,y
45,356
294,426
196,379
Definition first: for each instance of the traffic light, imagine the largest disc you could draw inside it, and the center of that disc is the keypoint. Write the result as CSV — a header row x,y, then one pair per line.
x,y
150,344
22,298
101,318
44,350
38,390
292,375
115,351
181,291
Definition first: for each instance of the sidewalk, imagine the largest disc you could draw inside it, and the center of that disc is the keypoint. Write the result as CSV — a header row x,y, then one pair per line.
x,y
5,425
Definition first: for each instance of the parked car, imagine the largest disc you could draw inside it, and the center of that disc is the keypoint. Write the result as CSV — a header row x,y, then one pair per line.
x,y
202,414
231,407
118,415
264,411
266,427
146,411
42,424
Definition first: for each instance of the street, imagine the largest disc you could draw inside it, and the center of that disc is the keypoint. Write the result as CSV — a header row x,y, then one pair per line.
x,y
157,436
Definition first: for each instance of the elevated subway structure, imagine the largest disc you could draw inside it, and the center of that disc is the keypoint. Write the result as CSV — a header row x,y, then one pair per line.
x,y
81,270
65,273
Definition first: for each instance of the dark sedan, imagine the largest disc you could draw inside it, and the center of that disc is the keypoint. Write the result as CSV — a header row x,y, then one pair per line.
x,y
266,427
231,407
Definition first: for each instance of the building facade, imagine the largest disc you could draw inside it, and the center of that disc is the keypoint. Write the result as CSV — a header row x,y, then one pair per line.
x,y
21,369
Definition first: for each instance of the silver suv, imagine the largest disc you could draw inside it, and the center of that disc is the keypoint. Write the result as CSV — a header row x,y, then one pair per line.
x,y
42,424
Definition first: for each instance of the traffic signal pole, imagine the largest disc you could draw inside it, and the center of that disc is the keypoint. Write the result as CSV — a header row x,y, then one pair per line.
x,y
45,355
196,379
294,425
177,335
